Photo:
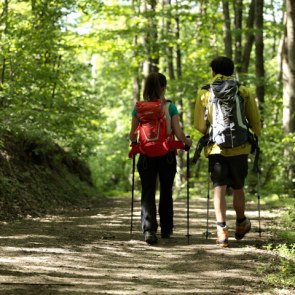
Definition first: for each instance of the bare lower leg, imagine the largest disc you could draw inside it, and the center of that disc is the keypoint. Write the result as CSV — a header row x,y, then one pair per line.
x,y
220,203
239,202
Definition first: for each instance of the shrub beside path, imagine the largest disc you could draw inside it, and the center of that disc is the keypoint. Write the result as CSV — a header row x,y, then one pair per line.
x,y
89,251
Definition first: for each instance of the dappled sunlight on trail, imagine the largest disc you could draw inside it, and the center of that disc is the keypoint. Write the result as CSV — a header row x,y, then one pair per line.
x,y
92,252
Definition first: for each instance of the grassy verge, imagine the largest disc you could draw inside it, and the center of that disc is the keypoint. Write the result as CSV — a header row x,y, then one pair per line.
x,y
280,268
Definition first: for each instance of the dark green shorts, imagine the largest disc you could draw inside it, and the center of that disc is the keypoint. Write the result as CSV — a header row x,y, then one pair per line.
x,y
230,171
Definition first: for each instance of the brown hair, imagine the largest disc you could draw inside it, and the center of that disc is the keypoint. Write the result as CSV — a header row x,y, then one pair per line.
x,y
152,88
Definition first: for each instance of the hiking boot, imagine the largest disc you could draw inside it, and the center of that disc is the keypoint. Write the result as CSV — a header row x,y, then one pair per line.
x,y
150,237
222,236
166,234
242,228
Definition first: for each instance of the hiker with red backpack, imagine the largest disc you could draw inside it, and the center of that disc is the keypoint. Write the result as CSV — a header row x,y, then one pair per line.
x,y
225,112
155,121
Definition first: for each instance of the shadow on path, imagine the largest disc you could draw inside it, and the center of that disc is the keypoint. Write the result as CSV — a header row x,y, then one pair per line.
x,y
91,252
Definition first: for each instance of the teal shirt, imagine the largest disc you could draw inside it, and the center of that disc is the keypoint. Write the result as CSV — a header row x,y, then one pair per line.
x,y
172,110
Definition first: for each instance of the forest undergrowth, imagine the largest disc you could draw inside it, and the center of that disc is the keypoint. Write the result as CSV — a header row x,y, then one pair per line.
x,y
37,177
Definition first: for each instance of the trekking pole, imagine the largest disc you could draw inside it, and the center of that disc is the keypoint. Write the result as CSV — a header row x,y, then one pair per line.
x,y
132,194
187,148
208,199
203,141
258,197
257,171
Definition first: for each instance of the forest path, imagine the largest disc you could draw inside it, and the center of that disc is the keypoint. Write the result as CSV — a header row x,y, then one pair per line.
x,y
90,252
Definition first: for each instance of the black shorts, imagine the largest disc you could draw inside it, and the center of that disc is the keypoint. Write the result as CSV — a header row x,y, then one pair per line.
x,y
230,171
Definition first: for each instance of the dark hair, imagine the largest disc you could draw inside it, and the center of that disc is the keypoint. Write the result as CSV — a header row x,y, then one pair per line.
x,y
222,65
153,87
162,80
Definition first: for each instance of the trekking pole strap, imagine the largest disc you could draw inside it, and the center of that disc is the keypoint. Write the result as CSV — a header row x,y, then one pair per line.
x,y
256,161
257,155
203,141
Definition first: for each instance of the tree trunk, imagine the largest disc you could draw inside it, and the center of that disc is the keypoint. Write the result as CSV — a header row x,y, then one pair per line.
x,y
137,67
289,69
276,35
153,38
136,78
150,40
136,88
259,48
3,22
227,34
238,34
178,51
178,62
250,37
167,33
56,72
180,163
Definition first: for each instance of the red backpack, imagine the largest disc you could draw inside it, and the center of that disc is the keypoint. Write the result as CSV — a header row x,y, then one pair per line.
x,y
155,136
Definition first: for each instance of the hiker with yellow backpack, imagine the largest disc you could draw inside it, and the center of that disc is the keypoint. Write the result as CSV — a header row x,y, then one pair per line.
x,y
227,114
155,123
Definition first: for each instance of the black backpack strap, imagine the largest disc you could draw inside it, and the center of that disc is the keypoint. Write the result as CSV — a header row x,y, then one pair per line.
x,y
136,116
206,87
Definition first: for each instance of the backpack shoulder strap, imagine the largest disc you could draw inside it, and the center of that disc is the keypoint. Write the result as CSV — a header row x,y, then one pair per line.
x,y
167,116
136,111
206,87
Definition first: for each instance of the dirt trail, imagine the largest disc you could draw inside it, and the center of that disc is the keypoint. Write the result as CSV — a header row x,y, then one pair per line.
x,y
90,252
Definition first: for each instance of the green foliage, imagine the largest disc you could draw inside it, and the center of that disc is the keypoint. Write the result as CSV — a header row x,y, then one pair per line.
x,y
67,70
37,176
281,266
110,165
287,223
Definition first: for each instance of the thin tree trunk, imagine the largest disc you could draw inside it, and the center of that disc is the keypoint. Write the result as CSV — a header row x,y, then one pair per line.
x,y
3,70
227,34
250,37
136,87
178,51
200,14
178,62
166,4
289,69
55,84
4,22
180,162
238,34
136,79
154,50
138,66
276,34
259,48
150,40
288,66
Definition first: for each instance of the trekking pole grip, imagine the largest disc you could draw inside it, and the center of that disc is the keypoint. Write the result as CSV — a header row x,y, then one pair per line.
x,y
187,147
